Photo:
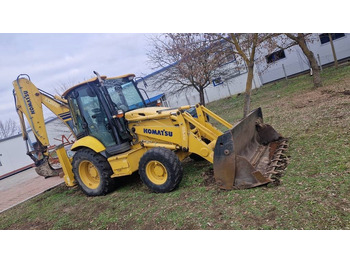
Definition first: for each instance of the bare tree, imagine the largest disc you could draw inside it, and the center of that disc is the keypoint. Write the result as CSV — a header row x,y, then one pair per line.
x,y
246,46
8,128
190,61
333,50
301,40
63,86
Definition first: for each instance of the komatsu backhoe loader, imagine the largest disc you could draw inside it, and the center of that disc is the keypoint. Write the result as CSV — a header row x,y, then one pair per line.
x,y
117,135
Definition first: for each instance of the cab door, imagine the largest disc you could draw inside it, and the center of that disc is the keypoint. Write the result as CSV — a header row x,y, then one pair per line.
x,y
89,115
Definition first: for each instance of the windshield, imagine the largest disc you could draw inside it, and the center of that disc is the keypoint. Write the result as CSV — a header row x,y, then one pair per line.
x,y
124,94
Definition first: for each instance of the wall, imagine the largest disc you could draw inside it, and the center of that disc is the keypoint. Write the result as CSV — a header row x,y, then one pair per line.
x,y
296,62
13,149
13,155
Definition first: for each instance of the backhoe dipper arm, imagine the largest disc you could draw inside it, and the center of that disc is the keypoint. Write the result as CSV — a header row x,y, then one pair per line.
x,y
28,101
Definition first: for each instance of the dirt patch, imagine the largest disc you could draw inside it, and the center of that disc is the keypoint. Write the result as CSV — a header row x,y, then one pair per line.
x,y
316,97
208,176
312,98
345,92
33,225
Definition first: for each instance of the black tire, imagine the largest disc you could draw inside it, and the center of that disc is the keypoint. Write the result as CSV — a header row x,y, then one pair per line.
x,y
101,183
166,160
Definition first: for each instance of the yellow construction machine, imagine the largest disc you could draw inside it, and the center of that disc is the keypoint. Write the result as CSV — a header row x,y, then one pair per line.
x,y
117,134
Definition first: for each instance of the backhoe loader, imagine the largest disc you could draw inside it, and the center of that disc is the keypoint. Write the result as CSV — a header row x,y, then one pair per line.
x,y
117,134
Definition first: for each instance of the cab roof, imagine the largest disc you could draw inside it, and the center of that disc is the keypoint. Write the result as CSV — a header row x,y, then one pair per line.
x,y
93,80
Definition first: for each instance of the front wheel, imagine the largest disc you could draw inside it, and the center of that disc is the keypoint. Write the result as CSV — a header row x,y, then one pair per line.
x,y
92,172
160,170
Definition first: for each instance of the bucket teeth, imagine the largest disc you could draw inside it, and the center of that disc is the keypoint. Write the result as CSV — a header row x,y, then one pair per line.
x,y
278,162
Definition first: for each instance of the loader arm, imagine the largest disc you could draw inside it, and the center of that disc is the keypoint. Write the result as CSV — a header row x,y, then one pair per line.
x,y
29,100
244,156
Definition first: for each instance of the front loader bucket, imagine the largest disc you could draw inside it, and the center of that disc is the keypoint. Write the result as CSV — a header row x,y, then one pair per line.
x,y
44,169
243,154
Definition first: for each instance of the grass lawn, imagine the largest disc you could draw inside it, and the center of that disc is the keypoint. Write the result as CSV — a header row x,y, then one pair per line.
x,y
314,192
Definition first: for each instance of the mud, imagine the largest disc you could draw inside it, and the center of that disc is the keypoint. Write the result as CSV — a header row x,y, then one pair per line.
x,y
208,176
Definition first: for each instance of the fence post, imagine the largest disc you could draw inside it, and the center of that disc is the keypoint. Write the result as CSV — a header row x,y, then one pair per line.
x,y
229,91
205,91
188,101
284,70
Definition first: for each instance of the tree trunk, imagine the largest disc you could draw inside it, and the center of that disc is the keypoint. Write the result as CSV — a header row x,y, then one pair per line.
x,y
333,50
248,89
313,63
201,96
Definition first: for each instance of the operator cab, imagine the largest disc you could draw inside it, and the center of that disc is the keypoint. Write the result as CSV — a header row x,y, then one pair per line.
x,y
98,106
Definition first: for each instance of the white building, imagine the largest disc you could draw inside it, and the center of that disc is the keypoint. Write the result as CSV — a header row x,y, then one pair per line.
x,y
13,157
292,61
220,87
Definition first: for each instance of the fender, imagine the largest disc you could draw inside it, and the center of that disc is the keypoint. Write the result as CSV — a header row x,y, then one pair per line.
x,y
90,142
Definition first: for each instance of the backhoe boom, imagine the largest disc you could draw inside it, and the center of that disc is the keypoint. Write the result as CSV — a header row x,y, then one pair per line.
x,y
29,100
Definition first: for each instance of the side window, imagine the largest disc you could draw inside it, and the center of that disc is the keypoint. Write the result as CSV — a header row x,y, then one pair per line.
x,y
324,38
93,115
77,119
275,56
131,96
124,94
89,106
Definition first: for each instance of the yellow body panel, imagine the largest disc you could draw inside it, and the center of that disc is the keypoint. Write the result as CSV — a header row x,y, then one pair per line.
x,y
82,83
176,130
166,127
89,142
66,166
128,162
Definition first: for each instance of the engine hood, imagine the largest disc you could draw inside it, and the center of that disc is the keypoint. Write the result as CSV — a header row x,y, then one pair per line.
x,y
146,111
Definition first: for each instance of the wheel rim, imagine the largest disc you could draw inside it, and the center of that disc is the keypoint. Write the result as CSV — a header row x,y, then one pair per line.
x,y
156,172
89,174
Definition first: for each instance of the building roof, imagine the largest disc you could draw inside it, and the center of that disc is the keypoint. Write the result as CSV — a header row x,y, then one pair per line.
x,y
157,72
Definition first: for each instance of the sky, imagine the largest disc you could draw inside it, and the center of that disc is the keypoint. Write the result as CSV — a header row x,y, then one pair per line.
x,y
55,59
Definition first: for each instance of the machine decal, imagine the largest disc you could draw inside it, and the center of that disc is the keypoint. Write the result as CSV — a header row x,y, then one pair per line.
x,y
29,102
65,116
157,132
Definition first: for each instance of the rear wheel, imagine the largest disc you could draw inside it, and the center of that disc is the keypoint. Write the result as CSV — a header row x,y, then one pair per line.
x,y
160,170
92,172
